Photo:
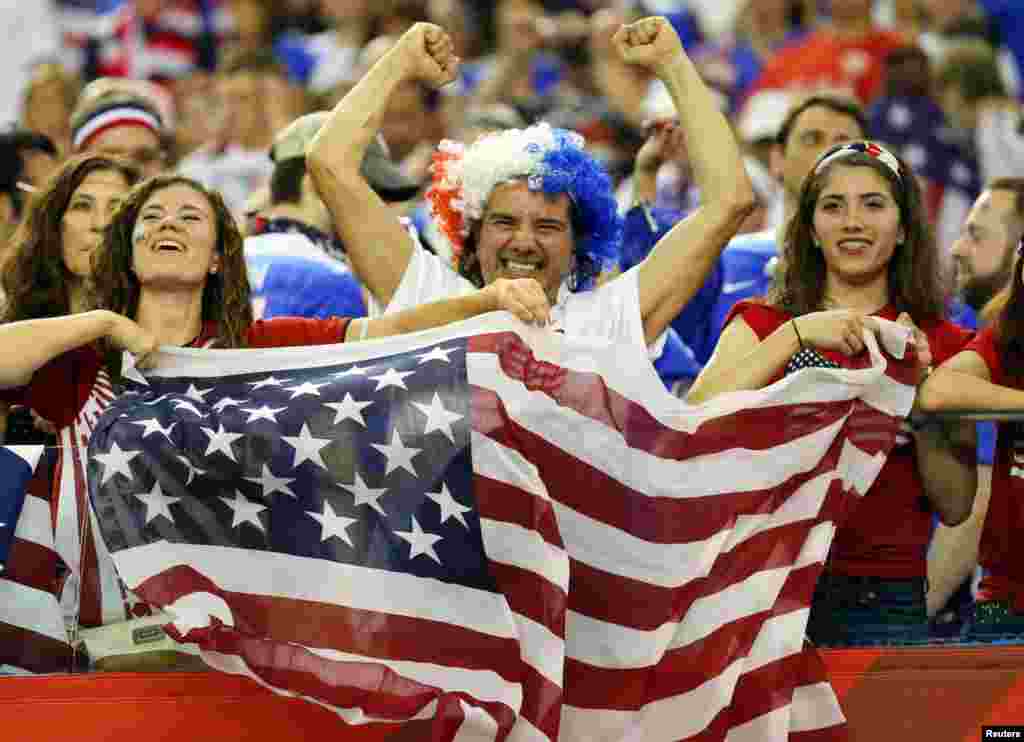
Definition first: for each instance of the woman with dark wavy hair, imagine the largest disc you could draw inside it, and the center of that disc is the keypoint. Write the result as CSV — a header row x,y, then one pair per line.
x,y
858,249
48,270
171,271
988,376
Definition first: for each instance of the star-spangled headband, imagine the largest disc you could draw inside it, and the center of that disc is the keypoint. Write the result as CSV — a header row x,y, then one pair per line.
x,y
871,149
549,159
124,115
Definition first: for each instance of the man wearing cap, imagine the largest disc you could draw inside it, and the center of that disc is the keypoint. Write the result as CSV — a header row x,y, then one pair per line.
x,y
121,122
297,265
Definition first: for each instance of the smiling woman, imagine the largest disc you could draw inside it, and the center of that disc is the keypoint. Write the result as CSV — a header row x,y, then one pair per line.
x,y
169,271
858,249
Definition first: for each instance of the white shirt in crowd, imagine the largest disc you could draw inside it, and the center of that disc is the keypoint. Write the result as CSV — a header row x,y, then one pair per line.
x,y
610,312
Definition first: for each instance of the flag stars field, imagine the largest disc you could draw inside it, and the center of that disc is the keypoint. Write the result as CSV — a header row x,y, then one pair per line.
x,y
420,542
332,525
157,503
438,418
398,455
391,377
116,461
271,484
152,425
348,409
307,448
365,495
244,511
220,441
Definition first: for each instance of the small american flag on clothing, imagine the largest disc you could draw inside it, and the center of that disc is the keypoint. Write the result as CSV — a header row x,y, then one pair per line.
x,y
388,529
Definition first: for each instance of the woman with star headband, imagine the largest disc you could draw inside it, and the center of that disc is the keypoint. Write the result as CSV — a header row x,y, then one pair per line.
x,y
533,202
988,376
857,249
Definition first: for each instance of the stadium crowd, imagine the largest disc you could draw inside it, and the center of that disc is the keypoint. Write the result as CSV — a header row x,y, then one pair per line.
x,y
744,188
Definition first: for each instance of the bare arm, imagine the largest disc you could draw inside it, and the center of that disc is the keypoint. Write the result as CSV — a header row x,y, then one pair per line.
x,y
946,462
963,383
377,245
953,553
523,297
741,361
30,344
681,261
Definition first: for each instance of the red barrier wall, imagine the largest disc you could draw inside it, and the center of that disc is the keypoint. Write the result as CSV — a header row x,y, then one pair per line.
x,y
935,694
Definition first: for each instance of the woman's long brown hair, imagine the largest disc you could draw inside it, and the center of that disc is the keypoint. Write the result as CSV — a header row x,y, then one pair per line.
x,y
35,279
916,282
226,294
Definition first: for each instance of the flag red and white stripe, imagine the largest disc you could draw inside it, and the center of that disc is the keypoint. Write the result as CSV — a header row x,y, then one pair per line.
x,y
694,537
32,635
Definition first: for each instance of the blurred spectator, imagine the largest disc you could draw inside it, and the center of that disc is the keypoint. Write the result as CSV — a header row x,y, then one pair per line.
x,y
985,251
147,39
522,69
858,245
846,54
978,105
200,113
49,98
253,22
732,62
26,159
297,265
909,119
757,127
995,22
984,255
327,59
257,101
986,377
112,119
30,34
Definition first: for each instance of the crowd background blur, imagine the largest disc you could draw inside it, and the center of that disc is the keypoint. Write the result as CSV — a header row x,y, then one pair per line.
x,y
206,86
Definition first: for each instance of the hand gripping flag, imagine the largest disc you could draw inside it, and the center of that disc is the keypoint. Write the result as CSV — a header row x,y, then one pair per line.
x,y
495,531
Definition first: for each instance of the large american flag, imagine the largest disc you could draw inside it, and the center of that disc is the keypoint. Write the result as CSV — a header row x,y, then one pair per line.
x,y
392,528
32,634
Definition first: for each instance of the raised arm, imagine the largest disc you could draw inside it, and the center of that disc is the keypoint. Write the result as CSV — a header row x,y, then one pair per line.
x,y
682,260
30,344
523,297
378,246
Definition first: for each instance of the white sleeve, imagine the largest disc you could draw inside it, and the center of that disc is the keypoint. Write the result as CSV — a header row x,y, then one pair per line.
x,y
426,278
610,312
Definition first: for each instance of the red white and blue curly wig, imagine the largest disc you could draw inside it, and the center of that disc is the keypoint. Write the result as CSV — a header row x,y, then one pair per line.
x,y
549,160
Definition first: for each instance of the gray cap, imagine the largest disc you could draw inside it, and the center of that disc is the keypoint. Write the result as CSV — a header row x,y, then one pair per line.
x,y
380,172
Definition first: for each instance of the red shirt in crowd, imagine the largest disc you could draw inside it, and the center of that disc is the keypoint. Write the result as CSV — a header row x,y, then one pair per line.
x,y
825,60
999,555
887,534
60,390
